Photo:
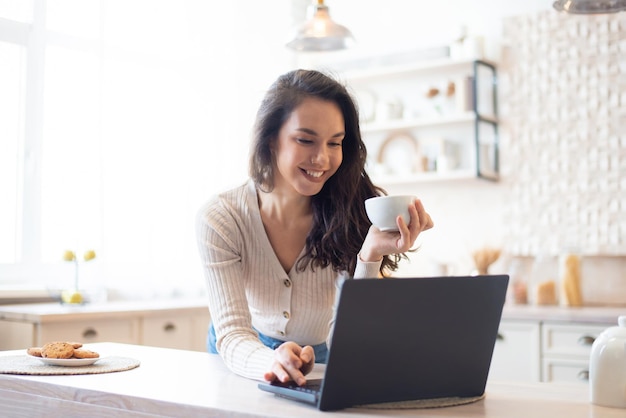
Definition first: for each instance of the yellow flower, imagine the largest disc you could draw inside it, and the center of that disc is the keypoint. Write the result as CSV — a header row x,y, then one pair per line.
x,y
69,255
89,255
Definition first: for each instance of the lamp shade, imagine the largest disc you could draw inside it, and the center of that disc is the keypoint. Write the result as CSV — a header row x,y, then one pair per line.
x,y
583,7
320,33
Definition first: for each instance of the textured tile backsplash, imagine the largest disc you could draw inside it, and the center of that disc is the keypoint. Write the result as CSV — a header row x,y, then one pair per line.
x,y
564,99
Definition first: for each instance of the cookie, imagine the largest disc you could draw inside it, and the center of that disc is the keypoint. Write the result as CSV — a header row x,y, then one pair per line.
x,y
34,351
75,344
57,349
83,353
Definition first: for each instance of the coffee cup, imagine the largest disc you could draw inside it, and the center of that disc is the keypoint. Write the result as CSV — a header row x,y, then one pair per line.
x,y
383,210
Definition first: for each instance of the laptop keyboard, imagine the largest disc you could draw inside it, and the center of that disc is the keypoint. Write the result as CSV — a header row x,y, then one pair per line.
x,y
309,387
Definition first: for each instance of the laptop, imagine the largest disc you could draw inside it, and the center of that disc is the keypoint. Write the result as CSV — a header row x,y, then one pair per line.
x,y
407,339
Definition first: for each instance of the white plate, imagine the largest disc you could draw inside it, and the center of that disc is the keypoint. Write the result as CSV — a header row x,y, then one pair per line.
x,y
68,362
400,154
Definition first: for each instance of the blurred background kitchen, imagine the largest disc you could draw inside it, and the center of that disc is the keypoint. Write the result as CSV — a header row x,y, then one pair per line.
x,y
121,117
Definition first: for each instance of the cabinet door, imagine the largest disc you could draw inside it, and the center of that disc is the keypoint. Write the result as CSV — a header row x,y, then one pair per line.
x,y
16,335
516,354
90,331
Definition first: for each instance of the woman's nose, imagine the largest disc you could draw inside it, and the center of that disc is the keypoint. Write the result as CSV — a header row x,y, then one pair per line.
x,y
320,157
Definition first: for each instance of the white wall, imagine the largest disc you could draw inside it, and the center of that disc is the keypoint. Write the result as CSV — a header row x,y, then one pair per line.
x,y
402,24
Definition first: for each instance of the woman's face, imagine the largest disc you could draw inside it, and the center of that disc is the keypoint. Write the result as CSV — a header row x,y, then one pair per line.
x,y
308,150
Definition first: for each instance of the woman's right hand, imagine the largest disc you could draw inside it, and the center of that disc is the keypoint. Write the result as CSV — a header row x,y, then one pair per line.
x,y
291,362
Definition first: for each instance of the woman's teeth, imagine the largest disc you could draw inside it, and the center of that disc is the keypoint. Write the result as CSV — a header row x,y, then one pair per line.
x,y
314,173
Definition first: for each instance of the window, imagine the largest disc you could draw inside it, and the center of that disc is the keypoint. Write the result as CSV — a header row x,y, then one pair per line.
x,y
120,118
10,147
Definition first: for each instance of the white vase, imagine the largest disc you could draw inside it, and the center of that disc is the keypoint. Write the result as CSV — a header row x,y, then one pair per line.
x,y
607,368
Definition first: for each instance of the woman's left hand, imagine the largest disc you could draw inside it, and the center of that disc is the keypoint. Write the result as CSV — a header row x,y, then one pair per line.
x,y
378,243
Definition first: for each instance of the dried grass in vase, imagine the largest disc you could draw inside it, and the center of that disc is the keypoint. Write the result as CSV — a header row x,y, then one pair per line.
x,y
484,258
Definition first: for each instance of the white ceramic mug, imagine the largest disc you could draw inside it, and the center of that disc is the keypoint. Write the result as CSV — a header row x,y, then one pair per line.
x,y
383,210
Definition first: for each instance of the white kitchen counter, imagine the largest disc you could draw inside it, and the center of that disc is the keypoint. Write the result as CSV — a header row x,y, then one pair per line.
x,y
184,383
586,314
52,312
55,312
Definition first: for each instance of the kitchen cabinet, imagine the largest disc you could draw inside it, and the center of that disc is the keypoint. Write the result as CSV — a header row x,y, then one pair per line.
x,y
534,351
566,349
168,324
548,344
429,120
516,354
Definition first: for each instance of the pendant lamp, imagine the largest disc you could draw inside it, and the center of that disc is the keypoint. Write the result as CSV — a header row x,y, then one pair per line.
x,y
584,7
320,33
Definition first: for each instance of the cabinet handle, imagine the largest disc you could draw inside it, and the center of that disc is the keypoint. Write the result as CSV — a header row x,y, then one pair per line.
x,y
583,375
586,340
90,333
169,327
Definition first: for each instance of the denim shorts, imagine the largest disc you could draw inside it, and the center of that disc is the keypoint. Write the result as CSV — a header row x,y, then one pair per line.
x,y
321,351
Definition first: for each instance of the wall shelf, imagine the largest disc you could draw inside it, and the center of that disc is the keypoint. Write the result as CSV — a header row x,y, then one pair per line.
x,y
421,122
442,66
465,120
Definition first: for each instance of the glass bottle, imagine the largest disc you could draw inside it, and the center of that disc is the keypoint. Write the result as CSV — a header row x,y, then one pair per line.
x,y
570,278
542,286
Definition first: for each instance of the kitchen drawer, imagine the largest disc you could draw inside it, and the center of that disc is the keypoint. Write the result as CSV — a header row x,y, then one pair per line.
x,y
569,339
169,332
565,370
105,330
186,332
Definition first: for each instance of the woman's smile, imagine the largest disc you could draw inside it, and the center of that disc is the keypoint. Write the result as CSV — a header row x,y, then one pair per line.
x,y
314,174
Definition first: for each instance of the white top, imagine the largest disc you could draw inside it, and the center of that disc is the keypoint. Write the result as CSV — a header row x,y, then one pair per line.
x,y
248,287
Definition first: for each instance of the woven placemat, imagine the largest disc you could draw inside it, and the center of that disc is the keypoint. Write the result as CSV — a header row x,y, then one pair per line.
x,y
425,403
25,364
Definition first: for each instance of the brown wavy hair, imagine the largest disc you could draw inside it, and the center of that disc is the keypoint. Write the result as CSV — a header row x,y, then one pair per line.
x,y
340,222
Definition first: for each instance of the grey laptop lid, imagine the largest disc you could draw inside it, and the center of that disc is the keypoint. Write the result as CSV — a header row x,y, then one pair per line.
x,y
411,338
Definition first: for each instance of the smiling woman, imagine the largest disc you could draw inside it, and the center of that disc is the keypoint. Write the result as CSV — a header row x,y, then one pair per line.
x,y
112,136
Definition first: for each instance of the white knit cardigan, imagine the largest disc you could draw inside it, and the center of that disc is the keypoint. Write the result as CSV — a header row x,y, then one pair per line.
x,y
248,288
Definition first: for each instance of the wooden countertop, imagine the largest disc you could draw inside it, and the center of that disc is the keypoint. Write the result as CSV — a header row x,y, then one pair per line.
x,y
184,383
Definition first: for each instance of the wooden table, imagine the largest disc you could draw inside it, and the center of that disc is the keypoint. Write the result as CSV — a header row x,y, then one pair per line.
x,y
180,383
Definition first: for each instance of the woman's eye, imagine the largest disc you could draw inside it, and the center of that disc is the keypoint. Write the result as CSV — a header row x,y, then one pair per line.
x,y
304,141
335,144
